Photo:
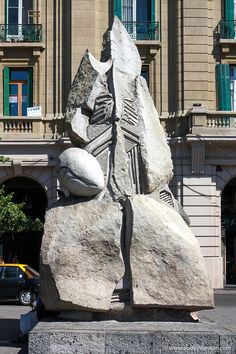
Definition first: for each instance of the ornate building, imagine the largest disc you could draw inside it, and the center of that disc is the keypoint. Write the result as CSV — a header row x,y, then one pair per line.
x,y
188,50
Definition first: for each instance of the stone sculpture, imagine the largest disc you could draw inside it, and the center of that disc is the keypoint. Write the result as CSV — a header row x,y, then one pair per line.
x,y
122,247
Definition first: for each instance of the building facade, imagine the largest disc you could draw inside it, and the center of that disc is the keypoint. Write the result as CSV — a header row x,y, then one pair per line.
x,y
188,51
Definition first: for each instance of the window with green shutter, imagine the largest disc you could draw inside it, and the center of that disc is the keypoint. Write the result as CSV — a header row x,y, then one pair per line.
x,y
223,87
118,8
139,18
229,19
18,91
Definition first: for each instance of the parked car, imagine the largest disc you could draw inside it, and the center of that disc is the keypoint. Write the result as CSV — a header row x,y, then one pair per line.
x,y
19,281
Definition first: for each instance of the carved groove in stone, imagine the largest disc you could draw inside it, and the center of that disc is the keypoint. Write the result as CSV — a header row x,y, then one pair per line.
x,y
166,198
129,112
103,109
99,144
131,138
134,168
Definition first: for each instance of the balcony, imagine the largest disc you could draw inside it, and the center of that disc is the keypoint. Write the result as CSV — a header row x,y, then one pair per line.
x,y
29,128
212,123
219,125
21,33
142,31
224,35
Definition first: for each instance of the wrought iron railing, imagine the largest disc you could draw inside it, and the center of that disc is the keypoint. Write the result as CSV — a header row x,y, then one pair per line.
x,y
225,30
20,33
142,30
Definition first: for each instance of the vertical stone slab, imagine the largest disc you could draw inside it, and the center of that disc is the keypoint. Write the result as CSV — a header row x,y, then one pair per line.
x,y
165,258
80,256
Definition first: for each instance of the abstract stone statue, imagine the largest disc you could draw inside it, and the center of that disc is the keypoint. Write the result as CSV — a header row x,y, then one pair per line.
x,y
120,246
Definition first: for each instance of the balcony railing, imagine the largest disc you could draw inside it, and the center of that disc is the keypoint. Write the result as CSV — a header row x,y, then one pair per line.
x,y
17,128
20,33
212,121
225,30
140,31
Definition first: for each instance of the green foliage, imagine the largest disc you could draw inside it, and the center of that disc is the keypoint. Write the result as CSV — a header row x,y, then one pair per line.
x,y
12,216
4,159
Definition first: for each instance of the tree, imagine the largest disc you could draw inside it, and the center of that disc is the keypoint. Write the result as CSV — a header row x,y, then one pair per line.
x,y
4,159
12,217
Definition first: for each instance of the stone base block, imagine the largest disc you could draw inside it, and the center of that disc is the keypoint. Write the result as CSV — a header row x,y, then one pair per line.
x,y
112,337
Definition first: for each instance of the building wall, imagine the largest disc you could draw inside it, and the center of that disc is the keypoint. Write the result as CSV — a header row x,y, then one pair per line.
x,y
181,73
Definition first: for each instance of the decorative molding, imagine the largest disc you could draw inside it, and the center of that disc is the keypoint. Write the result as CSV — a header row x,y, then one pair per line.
x,y
198,157
17,167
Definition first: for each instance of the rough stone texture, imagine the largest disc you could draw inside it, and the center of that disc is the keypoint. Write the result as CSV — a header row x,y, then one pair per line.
x,y
80,172
228,344
153,144
80,254
128,84
89,82
134,338
110,114
172,273
186,343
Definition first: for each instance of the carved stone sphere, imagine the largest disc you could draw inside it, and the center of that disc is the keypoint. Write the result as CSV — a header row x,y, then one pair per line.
x,y
79,172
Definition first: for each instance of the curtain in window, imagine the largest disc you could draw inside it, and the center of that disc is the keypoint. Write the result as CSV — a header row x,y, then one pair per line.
x,y
127,11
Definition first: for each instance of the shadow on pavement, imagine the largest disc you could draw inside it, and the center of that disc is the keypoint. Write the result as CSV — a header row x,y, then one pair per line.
x,y
9,332
9,329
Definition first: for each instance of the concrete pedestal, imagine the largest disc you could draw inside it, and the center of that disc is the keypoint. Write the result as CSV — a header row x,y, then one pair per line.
x,y
113,337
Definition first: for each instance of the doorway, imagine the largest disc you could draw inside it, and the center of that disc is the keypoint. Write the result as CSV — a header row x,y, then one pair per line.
x,y
228,219
25,245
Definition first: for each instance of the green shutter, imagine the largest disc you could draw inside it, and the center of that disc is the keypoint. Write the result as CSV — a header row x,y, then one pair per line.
x,y
30,87
153,11
118,8
6,76
223,87
229,17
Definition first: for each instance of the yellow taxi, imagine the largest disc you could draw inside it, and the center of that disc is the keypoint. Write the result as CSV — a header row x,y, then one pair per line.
x,y
18,281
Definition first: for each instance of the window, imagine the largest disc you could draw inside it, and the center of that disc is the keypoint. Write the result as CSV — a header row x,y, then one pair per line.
x,y
145,73
136,10
18,91
138,16
11,273
233,87
18,16
228,26
223,87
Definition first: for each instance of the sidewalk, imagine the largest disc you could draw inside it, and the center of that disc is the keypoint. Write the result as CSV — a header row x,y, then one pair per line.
x,y
9,328
224,313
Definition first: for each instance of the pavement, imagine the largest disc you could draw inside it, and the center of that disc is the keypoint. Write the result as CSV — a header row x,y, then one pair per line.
x,y
9,328
224,315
